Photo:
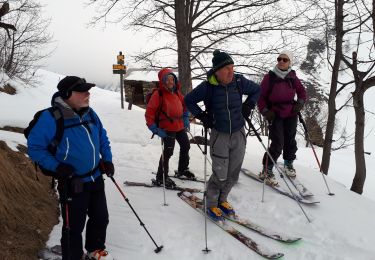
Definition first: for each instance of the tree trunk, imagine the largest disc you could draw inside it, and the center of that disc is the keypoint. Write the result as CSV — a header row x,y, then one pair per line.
x,y
360,171
183,33
339,19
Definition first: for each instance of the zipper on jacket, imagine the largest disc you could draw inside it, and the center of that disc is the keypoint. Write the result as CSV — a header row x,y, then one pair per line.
x,y
92,144
230,121
67,148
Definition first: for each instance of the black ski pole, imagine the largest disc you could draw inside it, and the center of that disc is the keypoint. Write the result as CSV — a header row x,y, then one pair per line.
x,y
277,167
67,224
206,250
158,248
312,146
265,173
162,166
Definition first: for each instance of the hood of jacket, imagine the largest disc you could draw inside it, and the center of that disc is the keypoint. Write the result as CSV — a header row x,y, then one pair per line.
x,y
162,74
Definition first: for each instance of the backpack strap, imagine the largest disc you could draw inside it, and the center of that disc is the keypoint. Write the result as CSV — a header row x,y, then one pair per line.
x,y
59,119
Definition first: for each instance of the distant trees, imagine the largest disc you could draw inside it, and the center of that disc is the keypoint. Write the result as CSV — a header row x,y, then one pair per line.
x,y
22,50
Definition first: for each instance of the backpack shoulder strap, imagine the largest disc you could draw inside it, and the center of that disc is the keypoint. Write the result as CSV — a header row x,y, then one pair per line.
x,y
208,97
59,119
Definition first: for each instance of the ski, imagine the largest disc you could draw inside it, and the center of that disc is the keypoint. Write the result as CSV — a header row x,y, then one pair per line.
x,y
303,191
297,184
150,185
184,178
261,230
278,188
196,203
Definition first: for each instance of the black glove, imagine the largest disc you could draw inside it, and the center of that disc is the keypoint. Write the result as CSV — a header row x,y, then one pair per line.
x,y
64,171
269,115
246,110
205,119
109,169
297,107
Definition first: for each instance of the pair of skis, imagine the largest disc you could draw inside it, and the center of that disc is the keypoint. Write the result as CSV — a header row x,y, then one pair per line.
x,y
304,196
260,249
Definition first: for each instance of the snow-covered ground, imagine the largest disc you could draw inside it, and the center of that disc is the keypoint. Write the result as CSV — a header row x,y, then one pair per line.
x,y
342,225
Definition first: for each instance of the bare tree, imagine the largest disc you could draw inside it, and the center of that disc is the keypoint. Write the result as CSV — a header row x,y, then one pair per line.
x,y
339,29
200,26
22,51
363,70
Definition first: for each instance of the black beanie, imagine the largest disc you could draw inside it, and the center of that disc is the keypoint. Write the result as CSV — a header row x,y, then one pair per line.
x,y
220,60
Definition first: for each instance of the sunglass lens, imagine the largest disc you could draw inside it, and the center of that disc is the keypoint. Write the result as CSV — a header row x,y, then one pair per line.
x,y
282,59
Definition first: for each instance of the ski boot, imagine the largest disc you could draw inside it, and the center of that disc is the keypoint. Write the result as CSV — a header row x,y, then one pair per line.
x,y
99,254
215,214
168,182
289,169
268,176
185,174
227,209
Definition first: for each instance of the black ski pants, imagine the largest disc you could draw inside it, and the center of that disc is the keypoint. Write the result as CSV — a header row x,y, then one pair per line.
x,y
282,133
90,202
169,142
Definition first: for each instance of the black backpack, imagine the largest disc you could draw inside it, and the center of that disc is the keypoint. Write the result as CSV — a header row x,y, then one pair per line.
x,y
60,127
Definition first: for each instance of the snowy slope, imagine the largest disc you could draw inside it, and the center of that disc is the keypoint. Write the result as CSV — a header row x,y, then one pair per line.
x,y
342,225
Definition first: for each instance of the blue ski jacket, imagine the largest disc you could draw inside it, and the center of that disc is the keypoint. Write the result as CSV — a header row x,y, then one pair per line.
x,y
224,103
82,146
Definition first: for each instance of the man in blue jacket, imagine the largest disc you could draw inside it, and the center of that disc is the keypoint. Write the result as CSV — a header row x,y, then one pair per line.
x,y
75,163
222,96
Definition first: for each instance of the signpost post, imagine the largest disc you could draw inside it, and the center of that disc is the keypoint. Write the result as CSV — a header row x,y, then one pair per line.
x,y
120,68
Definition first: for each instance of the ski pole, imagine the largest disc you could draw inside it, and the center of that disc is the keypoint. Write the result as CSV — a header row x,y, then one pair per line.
x,y
67,224
200,148
206,250
158,248
162,166
265,169
277,167
312,146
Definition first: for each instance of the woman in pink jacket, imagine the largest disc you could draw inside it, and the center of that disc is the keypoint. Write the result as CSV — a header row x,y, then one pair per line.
x,y
282,98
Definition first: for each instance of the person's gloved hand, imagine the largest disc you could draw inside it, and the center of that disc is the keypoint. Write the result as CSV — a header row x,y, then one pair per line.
x,y
186,120
297,107
205,119
269,115
246,110
64,171
157,131
109,168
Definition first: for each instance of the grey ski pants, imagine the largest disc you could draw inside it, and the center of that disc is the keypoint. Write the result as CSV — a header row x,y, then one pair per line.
x,y
227,153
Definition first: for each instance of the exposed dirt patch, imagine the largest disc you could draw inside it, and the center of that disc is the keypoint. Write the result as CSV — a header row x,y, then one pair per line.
x,y
8,89
28,207
12,129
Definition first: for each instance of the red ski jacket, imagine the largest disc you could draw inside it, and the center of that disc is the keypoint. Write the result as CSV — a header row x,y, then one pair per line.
x,y
167,110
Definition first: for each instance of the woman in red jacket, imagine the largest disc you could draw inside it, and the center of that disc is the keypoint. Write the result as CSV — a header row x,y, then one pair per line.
x,y
167,117
278,105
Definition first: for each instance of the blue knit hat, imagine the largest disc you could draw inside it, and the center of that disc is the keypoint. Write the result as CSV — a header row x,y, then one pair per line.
x,y
220,59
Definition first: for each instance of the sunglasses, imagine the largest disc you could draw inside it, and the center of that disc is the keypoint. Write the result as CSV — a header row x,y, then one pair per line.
x,y
282,59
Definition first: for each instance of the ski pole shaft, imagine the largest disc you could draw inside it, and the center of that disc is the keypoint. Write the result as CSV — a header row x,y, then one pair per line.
x,y
206,250
200,148
313,149
264,173
162,166
158,248
277,167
